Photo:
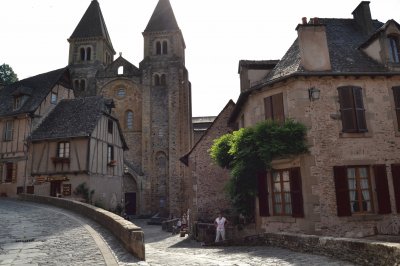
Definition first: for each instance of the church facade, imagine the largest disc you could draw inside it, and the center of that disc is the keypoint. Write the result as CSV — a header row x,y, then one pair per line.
x,y
152,103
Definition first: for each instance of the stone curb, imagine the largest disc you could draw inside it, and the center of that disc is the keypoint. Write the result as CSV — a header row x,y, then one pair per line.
x,y
128,233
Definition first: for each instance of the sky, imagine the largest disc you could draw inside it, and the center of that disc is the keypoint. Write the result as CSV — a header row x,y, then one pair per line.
x,y
217,33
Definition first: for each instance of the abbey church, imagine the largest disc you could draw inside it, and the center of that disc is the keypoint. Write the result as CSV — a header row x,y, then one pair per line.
x,y
129,153
152,102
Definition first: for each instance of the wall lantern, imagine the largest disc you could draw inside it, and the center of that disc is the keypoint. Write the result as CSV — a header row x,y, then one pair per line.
x,y
313,93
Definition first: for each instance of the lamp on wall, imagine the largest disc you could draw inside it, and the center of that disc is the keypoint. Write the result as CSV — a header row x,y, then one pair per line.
x,y
313,93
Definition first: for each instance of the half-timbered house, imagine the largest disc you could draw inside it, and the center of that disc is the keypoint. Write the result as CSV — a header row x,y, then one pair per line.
x,y
79,144
23,105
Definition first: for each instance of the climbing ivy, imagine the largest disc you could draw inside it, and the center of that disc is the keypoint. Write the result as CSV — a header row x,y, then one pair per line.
x,y
250,150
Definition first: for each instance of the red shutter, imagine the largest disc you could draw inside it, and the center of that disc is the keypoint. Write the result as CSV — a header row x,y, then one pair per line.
x,y
268,108
396,95
277,108
396,184
359,109
349,121
263,194
382,189
296,192
342,191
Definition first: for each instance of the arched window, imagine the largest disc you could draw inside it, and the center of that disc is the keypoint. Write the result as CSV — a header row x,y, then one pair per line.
x,y
88,53
129,119
158,48
121,70
394,49
163,79
121,92
82,84
156,80
164,47
82,53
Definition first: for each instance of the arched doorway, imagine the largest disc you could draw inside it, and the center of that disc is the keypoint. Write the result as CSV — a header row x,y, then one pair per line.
x,y
131,202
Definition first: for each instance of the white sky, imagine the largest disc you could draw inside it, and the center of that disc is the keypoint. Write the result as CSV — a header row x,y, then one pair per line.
x,y
218,33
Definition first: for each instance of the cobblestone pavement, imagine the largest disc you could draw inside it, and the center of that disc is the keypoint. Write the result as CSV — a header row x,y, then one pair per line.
x,y
35,234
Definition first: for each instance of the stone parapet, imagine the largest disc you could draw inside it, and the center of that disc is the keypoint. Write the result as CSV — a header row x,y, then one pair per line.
x,y
128,233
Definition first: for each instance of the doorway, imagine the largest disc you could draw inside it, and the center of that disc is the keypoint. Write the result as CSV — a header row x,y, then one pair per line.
x,y
55,188
130,203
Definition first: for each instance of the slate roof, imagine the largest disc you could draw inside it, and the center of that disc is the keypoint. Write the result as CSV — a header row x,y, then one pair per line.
x,y
258,64
73,118
163,18
344,37
92,24
36,87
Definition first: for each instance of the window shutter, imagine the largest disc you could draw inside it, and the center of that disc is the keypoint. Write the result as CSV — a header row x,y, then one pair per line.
x,y
342,191
382,189
296,192
396,95
277,108
14,173
396,184
268,108
1,173
349,123
263,194
359,109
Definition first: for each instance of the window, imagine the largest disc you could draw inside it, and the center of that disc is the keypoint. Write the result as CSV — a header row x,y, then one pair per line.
x,y
19,101
129,119
273,108
396,184
394,49
11,170
396,95
353,185
352,109
287,197
82,54
53,99
165,47
156,80
8,130
88,53
121,70
63,150
82,84
158,48
110,126
110,154
163,80
121,92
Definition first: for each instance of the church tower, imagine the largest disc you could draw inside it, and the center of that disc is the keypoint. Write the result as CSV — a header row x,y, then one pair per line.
x,y
167,128
90,49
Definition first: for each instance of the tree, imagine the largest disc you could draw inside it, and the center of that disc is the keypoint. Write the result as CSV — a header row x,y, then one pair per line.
x,y
250,150
7,75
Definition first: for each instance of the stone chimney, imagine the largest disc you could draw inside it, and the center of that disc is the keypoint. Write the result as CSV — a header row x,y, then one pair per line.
x,y
362,15
314,51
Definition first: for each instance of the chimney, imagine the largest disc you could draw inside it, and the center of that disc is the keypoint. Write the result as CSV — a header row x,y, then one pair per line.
x,y
314,51
362,15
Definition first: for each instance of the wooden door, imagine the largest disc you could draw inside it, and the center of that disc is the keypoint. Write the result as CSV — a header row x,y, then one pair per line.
x,y
130,203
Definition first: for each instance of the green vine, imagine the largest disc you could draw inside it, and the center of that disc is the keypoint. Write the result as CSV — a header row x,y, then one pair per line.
x,y
250,150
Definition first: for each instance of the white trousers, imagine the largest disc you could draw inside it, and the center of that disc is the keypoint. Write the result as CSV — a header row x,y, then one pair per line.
x,y
220,234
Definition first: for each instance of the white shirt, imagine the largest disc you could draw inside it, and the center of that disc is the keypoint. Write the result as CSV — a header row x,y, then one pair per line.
x,y
220,223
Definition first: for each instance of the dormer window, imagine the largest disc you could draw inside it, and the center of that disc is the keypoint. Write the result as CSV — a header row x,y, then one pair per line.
x,y
19,101
394,49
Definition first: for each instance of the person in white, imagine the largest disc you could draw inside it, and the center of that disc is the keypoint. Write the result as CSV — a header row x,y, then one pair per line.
x,y
219,223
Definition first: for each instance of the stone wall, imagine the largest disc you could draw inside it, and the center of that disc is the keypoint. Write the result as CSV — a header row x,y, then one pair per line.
x,y
131,236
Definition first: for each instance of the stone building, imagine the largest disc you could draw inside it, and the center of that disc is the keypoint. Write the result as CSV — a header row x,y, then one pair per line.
x,y
341,79
152,101
204,189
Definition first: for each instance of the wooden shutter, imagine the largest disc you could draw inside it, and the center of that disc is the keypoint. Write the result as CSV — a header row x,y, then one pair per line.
x,y
268,108
359,110
396,184
277,108
296,192
349,122
263,194
396,95
382,189
14,173
342,191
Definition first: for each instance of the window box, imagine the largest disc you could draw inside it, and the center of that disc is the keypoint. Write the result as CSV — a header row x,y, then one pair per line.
x,y
112,163
60,160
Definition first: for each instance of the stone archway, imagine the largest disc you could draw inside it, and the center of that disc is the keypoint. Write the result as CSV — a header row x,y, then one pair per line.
x,y
131,195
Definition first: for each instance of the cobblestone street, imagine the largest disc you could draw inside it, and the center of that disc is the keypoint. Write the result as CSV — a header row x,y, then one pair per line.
x,y
34,234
